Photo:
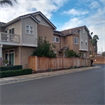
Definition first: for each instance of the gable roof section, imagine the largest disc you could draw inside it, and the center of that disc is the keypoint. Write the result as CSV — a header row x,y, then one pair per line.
x,y
31,15
20,18
73,30
2,23
47,20
58,33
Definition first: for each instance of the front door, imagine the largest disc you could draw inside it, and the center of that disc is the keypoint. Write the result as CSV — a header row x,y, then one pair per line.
x,y
10,56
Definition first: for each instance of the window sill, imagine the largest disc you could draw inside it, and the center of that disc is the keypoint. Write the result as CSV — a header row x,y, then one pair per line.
x,y
29,34
56,42
76,43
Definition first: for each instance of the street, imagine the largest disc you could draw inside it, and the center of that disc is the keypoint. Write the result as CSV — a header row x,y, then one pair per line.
x,y
86,87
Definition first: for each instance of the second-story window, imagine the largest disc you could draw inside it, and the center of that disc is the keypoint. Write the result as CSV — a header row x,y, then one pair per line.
x,y
29,29
86,42
11,31
75,40
81,41
56,39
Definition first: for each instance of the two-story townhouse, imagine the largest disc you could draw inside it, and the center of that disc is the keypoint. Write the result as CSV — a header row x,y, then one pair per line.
x,y
77,39
18,38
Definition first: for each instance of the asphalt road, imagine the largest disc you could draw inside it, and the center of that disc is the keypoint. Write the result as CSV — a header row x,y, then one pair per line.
x,y
86,87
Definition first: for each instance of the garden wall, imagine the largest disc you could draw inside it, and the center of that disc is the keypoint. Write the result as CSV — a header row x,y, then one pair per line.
x,y
99,60
44,63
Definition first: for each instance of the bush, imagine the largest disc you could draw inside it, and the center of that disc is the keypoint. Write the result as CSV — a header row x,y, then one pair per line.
x,y
70,53
11,73
50,70
44,49
5,68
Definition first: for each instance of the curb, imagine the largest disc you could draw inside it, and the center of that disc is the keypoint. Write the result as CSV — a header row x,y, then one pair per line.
x,y
16,79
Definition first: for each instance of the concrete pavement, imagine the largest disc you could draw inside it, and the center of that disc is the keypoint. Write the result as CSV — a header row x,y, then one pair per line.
x,y
79,88
22,78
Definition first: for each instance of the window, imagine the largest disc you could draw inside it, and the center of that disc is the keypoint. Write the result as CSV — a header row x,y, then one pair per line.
x,y
29,29
5,31
11,31
56,39
86,42
75,40
81,41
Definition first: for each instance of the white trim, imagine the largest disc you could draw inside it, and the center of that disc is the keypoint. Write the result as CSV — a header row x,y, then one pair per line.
x,y
31,45
29,29
76,40
83,49
7,43
54,39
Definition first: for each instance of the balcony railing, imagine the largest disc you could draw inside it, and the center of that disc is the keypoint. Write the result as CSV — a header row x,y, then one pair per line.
x,y
10,38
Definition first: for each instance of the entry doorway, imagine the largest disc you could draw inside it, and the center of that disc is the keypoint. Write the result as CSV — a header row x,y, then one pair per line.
x,y
10,56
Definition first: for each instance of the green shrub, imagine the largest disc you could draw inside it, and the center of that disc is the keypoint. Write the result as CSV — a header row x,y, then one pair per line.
x,y
70,53
44,49
50,70
5,68
11,73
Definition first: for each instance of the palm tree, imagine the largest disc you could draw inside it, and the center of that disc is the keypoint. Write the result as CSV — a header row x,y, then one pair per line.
x,y
7,2
94,42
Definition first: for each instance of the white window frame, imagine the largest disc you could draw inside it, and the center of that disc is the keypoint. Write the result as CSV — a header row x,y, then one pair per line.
x,y
86,42
81,42
76,40
29,29
55,39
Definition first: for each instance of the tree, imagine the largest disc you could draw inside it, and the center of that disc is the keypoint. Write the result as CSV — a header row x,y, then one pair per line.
x,y
94,42
7,2
44,49
103,53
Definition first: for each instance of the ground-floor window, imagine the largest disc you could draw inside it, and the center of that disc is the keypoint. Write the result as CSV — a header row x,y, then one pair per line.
x,y
10,56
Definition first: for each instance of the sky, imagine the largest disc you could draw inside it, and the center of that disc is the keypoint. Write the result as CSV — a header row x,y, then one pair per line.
x,y
64,14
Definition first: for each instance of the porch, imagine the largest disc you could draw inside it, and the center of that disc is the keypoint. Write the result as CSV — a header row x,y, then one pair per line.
x,y
8,41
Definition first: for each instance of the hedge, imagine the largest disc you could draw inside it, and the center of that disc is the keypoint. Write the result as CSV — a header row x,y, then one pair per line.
x,y
11,73
5,68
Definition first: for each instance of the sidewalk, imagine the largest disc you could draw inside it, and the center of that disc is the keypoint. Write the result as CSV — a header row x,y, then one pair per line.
x,y
15,79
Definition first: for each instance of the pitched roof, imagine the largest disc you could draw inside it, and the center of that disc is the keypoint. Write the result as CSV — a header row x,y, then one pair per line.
x,y
58,33
2,23
31,15
71,31
49,22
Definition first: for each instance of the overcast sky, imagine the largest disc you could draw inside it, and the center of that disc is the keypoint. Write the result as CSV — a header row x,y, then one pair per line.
x,y
64,14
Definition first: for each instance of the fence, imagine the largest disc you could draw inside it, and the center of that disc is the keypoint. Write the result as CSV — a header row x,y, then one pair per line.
x,y
44,63
99,60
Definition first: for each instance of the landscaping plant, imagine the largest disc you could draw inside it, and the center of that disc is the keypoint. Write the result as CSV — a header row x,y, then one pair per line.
x,y
44,49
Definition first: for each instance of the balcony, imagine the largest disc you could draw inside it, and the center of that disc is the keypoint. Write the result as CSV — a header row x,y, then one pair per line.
x,y
6,38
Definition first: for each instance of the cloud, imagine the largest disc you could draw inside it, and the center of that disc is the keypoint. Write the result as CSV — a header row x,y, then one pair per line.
x,y
8,13
76,12
94,5
95,23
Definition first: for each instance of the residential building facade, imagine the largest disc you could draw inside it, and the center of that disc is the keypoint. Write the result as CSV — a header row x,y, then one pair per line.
x,y
18,38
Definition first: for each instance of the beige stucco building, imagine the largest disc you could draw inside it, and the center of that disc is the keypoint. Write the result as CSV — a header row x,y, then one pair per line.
x,y
18,38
